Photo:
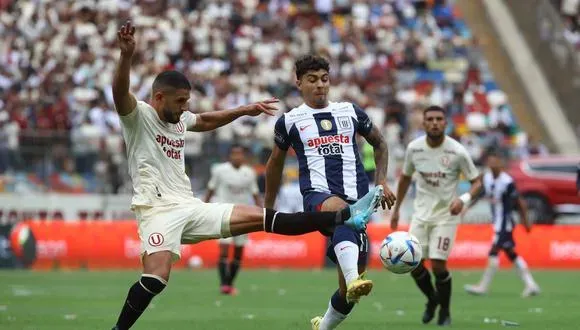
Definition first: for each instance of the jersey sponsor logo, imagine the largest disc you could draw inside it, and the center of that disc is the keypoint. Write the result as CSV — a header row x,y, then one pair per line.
x,y
415,150
169,145
321,140
156,239
344,122
449,152
432,178
326,124
329,145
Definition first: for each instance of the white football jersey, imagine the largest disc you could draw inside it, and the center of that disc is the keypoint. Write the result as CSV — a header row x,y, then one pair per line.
x,y
437,173
155,156
233,185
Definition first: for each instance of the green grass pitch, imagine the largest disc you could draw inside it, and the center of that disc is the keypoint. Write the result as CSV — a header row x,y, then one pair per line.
x,y
275,300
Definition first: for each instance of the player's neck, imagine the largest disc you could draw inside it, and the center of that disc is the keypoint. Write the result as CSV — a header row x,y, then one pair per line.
x,y
495,173
435,142
316,106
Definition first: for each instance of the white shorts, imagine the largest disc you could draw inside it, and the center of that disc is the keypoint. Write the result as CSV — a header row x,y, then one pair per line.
x,y
436,238
237,241
166,227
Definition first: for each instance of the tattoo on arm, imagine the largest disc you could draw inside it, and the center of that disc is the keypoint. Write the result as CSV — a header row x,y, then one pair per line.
x,y
376,139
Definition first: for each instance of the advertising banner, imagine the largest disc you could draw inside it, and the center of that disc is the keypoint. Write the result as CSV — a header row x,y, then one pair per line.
x,y
115,244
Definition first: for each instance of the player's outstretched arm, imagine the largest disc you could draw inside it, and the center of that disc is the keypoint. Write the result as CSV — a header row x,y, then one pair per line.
x,y
381,152
208,121
402,189
274,169
124,101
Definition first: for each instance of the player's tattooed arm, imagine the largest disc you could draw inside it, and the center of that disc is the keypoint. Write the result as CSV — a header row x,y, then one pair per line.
x,y
124,101
274,169
381,151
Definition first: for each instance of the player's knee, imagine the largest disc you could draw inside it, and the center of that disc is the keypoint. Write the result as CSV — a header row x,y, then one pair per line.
x,y
511,254
153,284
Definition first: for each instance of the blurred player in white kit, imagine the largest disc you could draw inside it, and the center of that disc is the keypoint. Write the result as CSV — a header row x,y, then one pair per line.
x,y
438,160
232,182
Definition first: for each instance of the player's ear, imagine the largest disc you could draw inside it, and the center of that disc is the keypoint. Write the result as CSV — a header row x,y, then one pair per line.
x,y
158,96
298,83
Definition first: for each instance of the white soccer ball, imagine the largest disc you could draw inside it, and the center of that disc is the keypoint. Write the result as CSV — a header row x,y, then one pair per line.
x,y
400,252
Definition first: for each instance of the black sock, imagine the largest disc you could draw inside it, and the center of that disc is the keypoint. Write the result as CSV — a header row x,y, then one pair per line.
x,y
423,279
138,298
234,267
223,271
302,222
443,284
339,303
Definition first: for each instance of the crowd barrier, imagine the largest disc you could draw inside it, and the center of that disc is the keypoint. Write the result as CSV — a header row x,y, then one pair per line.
x,y
113,245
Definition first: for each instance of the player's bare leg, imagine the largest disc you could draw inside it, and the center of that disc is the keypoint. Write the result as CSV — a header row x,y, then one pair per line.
x,y
443,285
422,278
223,268
156,270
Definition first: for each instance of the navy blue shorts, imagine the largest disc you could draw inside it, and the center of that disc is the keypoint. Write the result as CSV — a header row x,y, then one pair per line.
x,y
313,203
504,240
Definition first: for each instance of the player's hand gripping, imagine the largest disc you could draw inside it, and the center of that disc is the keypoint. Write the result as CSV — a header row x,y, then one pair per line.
x,y
456,206
126,38
267,106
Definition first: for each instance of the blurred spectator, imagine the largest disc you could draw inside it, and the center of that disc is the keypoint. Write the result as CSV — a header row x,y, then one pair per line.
x,y
393,58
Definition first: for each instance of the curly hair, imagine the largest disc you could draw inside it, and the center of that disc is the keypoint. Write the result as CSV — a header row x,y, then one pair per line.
x,y
310,63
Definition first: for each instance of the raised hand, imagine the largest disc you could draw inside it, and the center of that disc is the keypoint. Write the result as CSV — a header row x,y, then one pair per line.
x,y
267,106
126,38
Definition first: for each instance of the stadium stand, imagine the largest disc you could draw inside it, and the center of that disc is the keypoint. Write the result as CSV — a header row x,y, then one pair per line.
x,y
58,131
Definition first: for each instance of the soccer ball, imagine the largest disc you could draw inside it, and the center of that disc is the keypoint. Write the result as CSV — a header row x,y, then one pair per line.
x,y
400,252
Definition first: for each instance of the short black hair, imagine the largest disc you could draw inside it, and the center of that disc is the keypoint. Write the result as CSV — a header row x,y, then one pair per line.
x,y
494,152
310,63
434,108
171,80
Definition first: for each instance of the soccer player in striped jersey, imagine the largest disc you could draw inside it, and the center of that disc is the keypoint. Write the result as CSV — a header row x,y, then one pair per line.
x,y
322,133
500,188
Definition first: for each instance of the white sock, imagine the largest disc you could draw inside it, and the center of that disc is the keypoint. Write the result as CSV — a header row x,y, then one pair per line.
x,y
331,318
492,266
347,256
524,272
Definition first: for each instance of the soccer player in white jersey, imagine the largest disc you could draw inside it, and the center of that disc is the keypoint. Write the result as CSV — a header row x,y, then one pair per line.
x,y
167,212
331,175
437,161
232,182
500,189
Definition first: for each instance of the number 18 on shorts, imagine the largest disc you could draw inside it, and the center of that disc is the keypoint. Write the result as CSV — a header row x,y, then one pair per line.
x,y
436,239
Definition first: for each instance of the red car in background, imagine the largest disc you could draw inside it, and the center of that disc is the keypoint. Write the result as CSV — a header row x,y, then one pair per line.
x,y
548,185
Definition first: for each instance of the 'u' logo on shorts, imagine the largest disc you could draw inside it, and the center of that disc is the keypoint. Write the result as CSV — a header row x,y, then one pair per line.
x,y
155,239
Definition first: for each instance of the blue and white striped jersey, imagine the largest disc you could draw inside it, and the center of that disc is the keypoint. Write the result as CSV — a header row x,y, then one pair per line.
x,y
325,145
503,196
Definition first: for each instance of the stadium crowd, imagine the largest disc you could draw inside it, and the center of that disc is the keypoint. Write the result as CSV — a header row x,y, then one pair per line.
x,y
59,132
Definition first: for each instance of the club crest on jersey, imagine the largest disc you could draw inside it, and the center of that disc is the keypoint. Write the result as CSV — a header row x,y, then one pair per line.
x,y
156,239
326,124
445,161
179,127
344,122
